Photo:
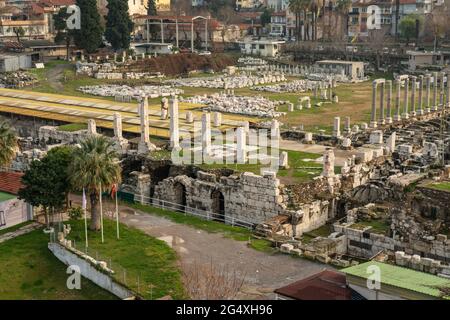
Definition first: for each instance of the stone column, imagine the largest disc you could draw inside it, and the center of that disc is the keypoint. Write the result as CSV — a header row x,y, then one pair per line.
x,y
174,133
117,125
413,96
206,134
405,114
428,95
381,119
189,117
347,128
241,145
217,119
373,118
441,96
389,102
275,129
435,87
448,91
398,85
328,163
144,145
337,127
420,105
91,127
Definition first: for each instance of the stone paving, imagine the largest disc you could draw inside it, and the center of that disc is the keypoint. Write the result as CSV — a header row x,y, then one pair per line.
x,y
21,231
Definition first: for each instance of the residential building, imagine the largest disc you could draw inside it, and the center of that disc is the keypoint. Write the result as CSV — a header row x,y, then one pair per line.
x,y
278,5
247,4
395,283
282,24
32,29
263,48
363,17
13,211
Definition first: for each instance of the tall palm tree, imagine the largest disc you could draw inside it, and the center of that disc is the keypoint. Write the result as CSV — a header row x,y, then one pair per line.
x,y
296,7
8,144
343,7
94,166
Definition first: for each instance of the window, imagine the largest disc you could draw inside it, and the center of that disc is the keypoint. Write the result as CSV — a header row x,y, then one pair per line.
x,y
253,46
262,47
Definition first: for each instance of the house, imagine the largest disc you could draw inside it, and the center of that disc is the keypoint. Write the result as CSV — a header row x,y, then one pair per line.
x,y
12,210
395,283
263,48
247,4
137,6
424,59
354,70
32,29
325,285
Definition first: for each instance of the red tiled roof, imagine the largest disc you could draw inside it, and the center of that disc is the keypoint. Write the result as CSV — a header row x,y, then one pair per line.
x,y
325,285
11,182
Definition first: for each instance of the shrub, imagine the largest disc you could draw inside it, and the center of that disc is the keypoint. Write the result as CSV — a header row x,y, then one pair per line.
x,y
75,213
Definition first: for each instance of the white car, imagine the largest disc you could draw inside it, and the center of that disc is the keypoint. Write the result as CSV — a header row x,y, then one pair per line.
x,y
204,53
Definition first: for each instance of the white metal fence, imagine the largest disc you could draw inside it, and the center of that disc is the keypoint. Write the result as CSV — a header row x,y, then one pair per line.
x,y
184,209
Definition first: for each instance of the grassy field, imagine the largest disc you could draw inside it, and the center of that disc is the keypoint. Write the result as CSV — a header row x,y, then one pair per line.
x,y
378,226
71,127
28,270
144,257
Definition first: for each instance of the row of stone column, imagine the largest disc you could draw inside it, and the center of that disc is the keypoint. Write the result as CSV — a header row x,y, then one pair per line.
x,y
405,81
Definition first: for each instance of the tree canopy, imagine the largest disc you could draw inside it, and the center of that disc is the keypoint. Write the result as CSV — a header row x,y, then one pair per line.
x,y
90,35
8,143
118,24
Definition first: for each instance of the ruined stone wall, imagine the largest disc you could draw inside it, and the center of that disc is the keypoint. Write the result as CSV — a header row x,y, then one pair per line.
x,y
363,243
247,197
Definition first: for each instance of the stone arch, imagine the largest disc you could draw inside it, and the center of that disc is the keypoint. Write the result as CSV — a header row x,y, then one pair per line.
x,y
218,205
180,198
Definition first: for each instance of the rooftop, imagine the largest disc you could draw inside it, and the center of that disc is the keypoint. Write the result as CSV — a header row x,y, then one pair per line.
x,y
403,278
325,285
10,182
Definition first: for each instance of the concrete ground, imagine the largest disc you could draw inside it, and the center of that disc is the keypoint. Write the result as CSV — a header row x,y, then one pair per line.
x,y
263,272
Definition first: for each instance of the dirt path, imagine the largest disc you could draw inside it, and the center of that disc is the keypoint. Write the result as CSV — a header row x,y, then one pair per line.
x,y
55,76
264,272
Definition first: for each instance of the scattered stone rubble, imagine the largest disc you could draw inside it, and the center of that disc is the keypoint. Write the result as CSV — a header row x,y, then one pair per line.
x,y
127,91
254,106
295,86
17,79
228,82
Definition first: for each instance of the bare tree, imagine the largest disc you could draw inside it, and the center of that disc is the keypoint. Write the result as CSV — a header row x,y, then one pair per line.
x,y
211,282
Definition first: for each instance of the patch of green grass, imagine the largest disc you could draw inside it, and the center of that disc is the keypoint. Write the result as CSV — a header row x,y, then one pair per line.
x,y
236,233
142,256
14,228
323,231
443,186
378,226
29,271
302,166
262,245
71,127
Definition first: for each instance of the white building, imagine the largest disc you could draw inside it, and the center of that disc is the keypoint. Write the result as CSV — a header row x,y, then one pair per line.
x,y
263,48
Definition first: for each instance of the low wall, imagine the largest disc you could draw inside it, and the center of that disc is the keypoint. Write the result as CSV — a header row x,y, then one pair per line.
x,y
89,271
363,243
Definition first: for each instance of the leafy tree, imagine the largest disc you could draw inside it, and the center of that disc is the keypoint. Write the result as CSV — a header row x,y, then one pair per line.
x,y
8,143
408,28
46,182
89,37
152,11
63,34
94,165
18,31
118,24
151,8
266,16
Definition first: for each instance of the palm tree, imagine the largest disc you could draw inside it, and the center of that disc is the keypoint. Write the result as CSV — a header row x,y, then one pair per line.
x,y
343,6
94,166
8,144
296,7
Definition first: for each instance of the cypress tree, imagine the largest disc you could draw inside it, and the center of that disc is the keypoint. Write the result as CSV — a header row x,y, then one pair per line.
x,y
118,24
89,37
